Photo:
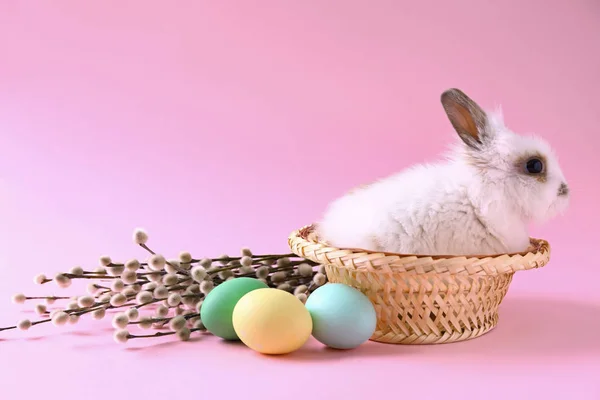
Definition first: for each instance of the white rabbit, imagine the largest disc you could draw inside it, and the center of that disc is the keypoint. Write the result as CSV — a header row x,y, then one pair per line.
x,y
477,202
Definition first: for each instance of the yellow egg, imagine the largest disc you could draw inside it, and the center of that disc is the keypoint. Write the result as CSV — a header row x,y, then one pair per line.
x,y
272,321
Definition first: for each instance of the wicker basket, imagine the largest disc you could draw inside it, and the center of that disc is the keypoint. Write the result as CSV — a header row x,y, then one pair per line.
x,y
423,299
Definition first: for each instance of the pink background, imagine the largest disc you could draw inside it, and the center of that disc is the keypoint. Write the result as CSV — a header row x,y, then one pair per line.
x,y
218,124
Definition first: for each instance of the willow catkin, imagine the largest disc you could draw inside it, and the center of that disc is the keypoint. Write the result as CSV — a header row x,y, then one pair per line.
x,y
162,293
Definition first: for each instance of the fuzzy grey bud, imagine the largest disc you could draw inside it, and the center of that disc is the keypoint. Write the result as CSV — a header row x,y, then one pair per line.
x,y
302,297
246,270
225,274
118,300
19,298
60,318
116,270
62,280
183,334
177,323
140,236
85,301
283,262
174,299
133,314
120,320
278,277
105,261
161,292
150,286
129,277
132,265
24,324
198,273
92,288
206,287
41,309
144,297
189,301
121,336
155,277
145,323
99,313
40,279
193,289
156,262
300,289
170,279
174,266
246,261
104,298
285,286
185,257
117,285
320,279
305,270
162,311
262,272
223,259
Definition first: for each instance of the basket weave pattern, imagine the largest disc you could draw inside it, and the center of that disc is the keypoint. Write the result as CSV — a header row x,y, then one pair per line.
x,y
423,299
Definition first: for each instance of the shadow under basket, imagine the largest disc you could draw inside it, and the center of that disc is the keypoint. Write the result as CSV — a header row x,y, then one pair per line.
x,y
423,299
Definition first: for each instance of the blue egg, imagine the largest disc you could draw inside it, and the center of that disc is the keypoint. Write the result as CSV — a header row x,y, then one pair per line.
x,y
343,317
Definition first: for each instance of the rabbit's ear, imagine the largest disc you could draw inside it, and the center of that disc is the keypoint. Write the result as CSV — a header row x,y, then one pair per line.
x,y
467,118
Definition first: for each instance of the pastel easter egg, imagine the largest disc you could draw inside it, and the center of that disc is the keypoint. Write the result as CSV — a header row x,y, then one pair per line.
x,y
217,308
343,317
272,321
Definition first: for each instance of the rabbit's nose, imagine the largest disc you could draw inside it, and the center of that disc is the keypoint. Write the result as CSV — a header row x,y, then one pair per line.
x,y
563,190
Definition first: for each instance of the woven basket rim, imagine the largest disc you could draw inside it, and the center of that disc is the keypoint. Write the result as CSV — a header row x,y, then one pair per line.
x,y
305,243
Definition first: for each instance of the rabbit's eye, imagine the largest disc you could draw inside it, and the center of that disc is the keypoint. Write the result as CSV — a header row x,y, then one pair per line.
x,y
535,166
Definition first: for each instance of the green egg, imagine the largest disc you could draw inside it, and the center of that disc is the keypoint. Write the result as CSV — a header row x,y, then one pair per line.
x,y
217,308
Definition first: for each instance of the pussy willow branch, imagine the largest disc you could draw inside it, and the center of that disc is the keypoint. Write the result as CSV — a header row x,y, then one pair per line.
x,y
174,295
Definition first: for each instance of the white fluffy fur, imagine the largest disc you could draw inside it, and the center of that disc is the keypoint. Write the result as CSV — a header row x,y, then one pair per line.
x,y
475,202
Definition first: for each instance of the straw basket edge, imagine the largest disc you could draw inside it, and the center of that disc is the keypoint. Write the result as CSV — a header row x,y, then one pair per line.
x,y
423,299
